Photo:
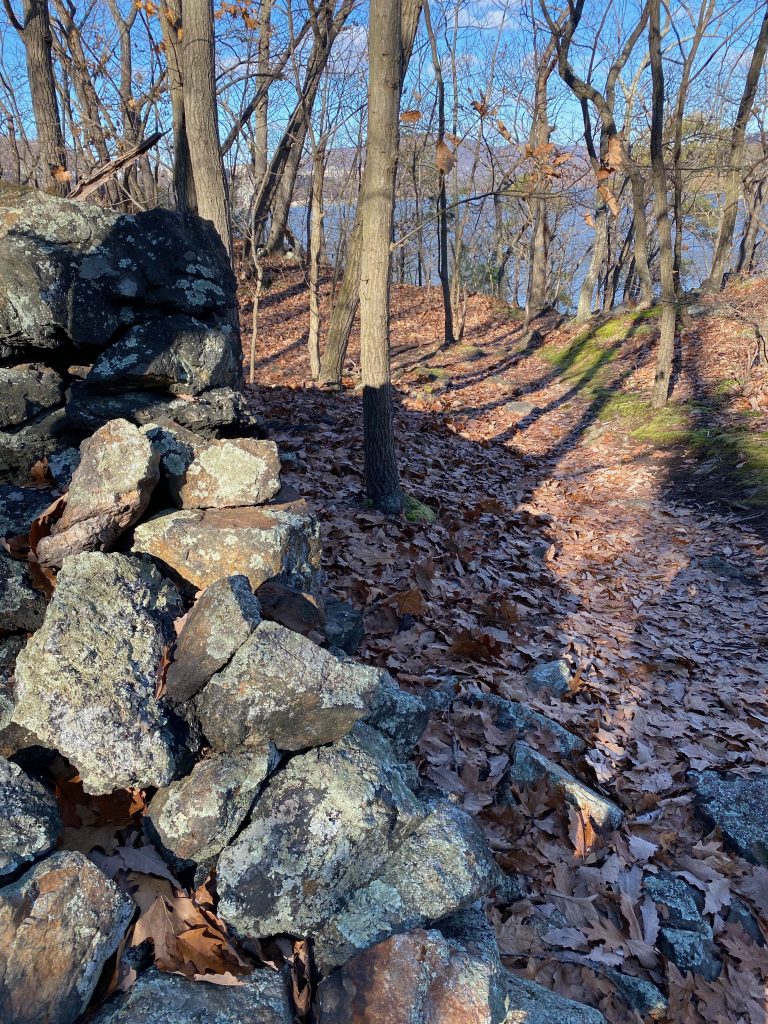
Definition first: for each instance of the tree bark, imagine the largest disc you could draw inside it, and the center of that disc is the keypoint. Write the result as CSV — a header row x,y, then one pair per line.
x,y
201,119
315,248
183,181
664,230
724,244
382,478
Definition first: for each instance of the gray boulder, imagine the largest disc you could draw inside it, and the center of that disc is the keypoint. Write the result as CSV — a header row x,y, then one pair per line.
x,y
28,391
738,807
401,716
192,820
85,682
280,686
178,353
159,998
220,621
22,607
553,676
29,818
202,545
59,924
110,490
341,849
529,767
74,276
533,1004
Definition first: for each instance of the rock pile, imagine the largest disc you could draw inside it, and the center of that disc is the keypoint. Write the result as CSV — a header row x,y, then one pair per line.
x,y
164,662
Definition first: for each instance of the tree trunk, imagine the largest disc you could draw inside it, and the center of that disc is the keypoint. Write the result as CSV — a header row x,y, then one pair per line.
x,y
260,142
382,478
724,244
663,227
281,207
345,306
200,116
584,309
314,249
640,250
537,298
183,181
38,42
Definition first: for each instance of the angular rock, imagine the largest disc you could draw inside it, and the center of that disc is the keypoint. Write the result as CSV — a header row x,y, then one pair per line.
x,y
22,607
59,924
512,715
227,474
444,975
62,465
343,626
341,849
220,409
193,819
554,676
290,607
738,807
529,1003
30,822
21,447
401,716
530,767
685,938
110,490
690,951
220,621
85,682
678,901
281,687
73,275
10,646
27,391
158,998
19,507
641,996
276,541
178,353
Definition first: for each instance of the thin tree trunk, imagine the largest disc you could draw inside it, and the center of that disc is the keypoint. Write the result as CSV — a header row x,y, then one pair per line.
x,y
640,250
183,181
382,478
281,207
599,246
724,244
663,227
314,249
201,117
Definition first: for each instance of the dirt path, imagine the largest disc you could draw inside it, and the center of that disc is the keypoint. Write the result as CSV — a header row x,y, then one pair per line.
x,y
558,537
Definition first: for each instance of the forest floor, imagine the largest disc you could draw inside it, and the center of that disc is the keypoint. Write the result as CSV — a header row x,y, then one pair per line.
x,y
573,523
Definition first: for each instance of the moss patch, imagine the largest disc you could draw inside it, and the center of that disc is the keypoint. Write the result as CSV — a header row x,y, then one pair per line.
x,y
417,512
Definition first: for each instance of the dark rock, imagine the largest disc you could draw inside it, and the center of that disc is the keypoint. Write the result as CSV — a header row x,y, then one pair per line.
x,y
158,998
30,822
677,898
641,996
690,951
279,541
27,391
529,767
85,682
10,646
62,464
59,924
530,1003
511,715
553,676
19,507
290,607
178,353
110,490
343,626
739,913
401,716
685,938
342,850
281,687
738,807
21,447
73,275
22,607
220,621
192,820
214,411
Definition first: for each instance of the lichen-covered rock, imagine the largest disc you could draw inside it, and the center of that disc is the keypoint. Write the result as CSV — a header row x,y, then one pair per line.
x,y
21,447
29,818
511,715
685,937
738,807
194,819
447,976
640,995
27,391
281,687
20,506
85,682
202,545
109,491
178,353
401,716
341,849
690,952
22,607
220,621
229,473
62,465
529,767
220,409
529,1003
554,676
74,276
59,924
10,647
158,998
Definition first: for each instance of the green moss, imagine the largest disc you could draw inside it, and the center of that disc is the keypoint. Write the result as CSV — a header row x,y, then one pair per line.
x,y
417,512
470,351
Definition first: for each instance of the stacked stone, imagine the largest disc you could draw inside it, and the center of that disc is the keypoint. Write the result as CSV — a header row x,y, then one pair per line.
x,y
105,316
